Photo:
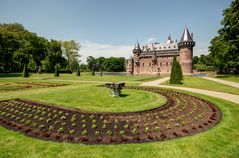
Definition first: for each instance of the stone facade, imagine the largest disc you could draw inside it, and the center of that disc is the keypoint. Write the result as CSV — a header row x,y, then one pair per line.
x,y
157,58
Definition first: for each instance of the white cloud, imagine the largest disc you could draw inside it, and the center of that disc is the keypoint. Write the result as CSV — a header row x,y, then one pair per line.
x,y
89,48
150,40
198,52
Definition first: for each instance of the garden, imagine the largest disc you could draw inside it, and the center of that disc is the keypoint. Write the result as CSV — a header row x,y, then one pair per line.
x,y
180,116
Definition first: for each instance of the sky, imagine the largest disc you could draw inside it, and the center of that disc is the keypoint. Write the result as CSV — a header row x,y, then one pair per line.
x,y
112,27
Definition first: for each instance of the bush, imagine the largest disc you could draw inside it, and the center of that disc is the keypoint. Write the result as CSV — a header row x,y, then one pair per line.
x,y
78,71
56,71
176,73
25,71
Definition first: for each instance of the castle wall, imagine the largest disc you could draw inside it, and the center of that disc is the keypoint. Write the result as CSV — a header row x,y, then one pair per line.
x,y
186,57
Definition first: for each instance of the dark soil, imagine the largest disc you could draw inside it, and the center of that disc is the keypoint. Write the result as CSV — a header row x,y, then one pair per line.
x,y
27,85
181,116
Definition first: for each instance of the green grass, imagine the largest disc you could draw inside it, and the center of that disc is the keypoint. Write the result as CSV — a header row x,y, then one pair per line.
x,y
91,98
87,77
201,83
233,78
220,141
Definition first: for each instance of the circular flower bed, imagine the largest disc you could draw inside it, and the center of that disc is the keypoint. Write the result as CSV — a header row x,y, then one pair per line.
x,y
181,116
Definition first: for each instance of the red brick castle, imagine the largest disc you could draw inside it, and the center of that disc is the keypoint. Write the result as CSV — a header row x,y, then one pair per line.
x,y
157,58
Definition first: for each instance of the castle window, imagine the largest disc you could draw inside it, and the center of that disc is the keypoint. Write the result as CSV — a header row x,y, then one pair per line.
x,y
149,64
174,46
160,64
143,64
164,47
166,63
159,47
168,46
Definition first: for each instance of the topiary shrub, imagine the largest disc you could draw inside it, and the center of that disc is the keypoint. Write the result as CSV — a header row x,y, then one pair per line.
x,y
176,75
56,71
25,71
78,71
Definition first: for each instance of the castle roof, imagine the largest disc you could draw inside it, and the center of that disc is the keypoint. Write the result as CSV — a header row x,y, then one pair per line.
x,y
186,36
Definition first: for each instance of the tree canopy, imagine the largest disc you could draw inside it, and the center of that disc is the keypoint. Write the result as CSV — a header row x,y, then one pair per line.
x,y
19,47
224,48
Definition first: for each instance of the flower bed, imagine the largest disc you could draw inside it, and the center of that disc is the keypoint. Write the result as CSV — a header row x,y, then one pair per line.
x,y
181,116
5,87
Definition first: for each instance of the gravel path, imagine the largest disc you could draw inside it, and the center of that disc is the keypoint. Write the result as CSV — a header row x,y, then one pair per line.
x,y
230,97
229,83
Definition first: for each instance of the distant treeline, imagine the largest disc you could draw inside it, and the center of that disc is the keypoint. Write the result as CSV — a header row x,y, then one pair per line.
x,y
19,47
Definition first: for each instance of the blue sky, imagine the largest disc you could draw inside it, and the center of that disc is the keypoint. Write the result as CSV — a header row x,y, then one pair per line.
x,y
111,27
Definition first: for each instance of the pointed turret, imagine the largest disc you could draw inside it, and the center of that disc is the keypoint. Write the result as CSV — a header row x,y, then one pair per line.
x,y
169,41
185,46
186,40
154,56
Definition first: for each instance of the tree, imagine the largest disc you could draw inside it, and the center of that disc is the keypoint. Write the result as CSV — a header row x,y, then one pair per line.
x,y
176,72
70,51
224,48
25,71
53,56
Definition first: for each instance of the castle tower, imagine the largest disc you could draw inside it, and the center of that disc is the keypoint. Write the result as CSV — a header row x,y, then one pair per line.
x,y
185,46
130,65
136,53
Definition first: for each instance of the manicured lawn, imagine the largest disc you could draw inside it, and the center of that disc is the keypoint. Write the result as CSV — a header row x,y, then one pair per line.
x,y
91,98
201,83
233,78
220,141
104,78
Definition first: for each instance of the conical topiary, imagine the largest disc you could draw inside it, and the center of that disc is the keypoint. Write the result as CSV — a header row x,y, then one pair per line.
x,y
56,71
78,71
25,71
176,73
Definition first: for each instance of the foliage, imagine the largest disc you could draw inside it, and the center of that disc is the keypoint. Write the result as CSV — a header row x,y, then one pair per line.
x,y
225,46
176,72
203,63
19,46
70,51
25,71
78,71
112,64
56,71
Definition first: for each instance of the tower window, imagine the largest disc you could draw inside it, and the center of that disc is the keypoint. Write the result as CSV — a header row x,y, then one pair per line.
x,y
149,64
143,64
166,63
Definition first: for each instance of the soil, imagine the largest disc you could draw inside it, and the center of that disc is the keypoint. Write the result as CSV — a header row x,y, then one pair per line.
x,y
27,85
181,116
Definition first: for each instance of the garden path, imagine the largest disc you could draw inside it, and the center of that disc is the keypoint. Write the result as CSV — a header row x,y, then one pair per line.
x,y
230,97
230,83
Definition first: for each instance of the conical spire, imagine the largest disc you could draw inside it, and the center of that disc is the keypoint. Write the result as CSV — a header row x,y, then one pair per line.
x,y
186,36
154,56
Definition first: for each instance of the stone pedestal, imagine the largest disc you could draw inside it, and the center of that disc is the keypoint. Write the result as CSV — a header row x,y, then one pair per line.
x,y
115,88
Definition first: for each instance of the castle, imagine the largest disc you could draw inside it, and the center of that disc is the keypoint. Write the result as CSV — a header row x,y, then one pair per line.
x,y
157,58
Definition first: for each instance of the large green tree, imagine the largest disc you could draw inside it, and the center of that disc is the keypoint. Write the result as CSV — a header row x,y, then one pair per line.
x,y
70,51
224,48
